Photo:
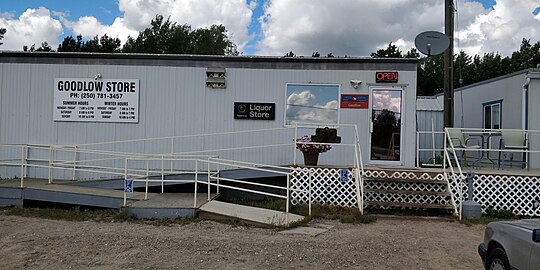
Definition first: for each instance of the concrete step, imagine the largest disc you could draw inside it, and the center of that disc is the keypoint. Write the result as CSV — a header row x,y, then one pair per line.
x,y
427,181
248,213
408,192
409,205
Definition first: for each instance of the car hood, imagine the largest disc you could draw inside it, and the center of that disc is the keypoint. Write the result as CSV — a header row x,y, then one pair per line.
x,y
530,224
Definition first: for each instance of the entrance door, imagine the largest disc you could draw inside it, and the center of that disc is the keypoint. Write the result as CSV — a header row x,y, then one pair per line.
x,y
386,108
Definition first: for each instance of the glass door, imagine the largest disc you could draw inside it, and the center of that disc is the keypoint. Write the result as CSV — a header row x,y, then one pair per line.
x,y
386,124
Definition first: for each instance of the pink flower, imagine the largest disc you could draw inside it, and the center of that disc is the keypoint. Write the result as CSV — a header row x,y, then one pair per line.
x,y
305,145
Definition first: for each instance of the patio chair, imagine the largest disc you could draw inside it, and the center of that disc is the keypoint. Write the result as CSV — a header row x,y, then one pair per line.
x,y
513,140
458,141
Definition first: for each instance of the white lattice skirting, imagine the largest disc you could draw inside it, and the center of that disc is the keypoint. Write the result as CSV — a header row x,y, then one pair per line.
x,y
329,187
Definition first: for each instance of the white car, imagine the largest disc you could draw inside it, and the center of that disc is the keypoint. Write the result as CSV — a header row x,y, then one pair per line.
x,y
511,245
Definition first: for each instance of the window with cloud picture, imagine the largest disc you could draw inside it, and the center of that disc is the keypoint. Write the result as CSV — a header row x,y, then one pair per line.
x,y
312,104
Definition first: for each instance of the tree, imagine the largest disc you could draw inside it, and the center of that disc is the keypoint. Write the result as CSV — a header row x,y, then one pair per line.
x,y
392,51
2,33
315,54
164,36
290,54
45,47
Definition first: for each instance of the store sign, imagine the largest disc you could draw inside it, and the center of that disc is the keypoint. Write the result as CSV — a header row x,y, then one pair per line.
x,y
89,100
386,77
254,111
354,101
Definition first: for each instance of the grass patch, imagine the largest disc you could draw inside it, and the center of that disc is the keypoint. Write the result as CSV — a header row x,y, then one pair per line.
x,y
99,215
343,214
491,215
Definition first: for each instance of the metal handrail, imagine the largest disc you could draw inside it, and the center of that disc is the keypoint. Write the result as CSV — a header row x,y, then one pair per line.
x,y
57,160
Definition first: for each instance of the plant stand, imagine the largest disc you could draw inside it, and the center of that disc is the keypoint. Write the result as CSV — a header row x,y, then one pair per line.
x,y
311,159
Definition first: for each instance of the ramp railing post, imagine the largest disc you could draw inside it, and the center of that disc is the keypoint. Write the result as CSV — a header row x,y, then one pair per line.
x,y
288,198
208,168
74,164
146,187
294,144
172,152
208,182
309,192
162,175
26,152
22,165
196,181
125,178
51,160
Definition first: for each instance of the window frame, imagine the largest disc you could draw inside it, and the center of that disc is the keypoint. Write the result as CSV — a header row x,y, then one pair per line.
x,y
338,111
491,105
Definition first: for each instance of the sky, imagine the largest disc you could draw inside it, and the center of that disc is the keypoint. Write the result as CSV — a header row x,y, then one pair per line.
x,y
275,27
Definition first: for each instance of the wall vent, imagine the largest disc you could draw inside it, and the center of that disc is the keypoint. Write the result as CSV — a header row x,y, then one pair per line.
x,y
215,78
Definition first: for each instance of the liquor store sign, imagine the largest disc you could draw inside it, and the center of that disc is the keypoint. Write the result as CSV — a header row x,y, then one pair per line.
x,y
254,111
89,100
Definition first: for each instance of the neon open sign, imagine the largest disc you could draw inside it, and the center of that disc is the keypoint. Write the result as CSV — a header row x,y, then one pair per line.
x,y
386,77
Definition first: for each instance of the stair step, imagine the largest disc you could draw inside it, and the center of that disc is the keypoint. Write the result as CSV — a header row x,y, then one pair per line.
x,y
410,192
428,181
409,205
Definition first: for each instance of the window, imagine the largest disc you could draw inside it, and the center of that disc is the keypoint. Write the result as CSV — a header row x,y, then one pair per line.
x,y
492,115
312,104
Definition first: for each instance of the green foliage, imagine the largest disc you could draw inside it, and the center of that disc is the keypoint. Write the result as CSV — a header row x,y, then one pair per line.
x,y
290,54
162,37
44,48
356,218
499,214
392,51
471,69
166,37
2,33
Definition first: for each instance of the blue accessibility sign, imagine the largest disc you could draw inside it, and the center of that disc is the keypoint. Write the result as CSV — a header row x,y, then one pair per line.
x,y
128,185
344,175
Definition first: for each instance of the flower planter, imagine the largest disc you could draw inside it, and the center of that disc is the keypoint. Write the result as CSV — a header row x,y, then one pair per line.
x,y
311,159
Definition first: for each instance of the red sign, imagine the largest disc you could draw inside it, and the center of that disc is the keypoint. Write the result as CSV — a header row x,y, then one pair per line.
x,y
386,77
354,101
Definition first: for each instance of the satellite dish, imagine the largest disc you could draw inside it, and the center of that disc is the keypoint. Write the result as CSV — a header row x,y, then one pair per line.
x,y
431,43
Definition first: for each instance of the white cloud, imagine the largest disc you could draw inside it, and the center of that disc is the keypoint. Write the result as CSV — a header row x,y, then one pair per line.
x,y
90,27
502,28
351,27
303,108
34,26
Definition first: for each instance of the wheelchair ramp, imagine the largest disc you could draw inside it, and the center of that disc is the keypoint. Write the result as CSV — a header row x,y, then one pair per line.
x,y
248,213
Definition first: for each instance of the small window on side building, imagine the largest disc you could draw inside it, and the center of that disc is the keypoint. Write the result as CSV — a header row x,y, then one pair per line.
x,y
492,115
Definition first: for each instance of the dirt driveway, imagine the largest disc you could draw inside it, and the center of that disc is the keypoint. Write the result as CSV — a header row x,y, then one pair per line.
x,y
30,243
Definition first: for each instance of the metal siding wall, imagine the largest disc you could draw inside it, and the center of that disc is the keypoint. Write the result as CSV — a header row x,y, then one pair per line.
x,y
425,140
534,123
175,101
508,89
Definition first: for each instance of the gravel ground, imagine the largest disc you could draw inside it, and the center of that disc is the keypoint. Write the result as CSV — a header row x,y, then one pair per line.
x,y
30,243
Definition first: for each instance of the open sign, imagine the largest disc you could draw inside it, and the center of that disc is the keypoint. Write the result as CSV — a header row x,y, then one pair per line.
x,y
386,77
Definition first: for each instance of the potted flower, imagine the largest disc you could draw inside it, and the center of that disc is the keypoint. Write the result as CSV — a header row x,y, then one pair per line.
x,y
310,149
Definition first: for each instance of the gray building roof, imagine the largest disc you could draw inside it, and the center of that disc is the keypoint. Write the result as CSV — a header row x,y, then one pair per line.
x,y
428,104
211,61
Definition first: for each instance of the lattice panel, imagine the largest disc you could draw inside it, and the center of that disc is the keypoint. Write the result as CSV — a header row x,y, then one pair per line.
x,y
499,191
508,192
327,187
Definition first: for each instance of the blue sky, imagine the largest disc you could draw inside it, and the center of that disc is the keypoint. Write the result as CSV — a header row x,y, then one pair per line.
x,y
344,27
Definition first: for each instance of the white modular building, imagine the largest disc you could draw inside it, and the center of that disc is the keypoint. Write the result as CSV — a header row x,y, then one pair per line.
x,y
508,102
83,100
